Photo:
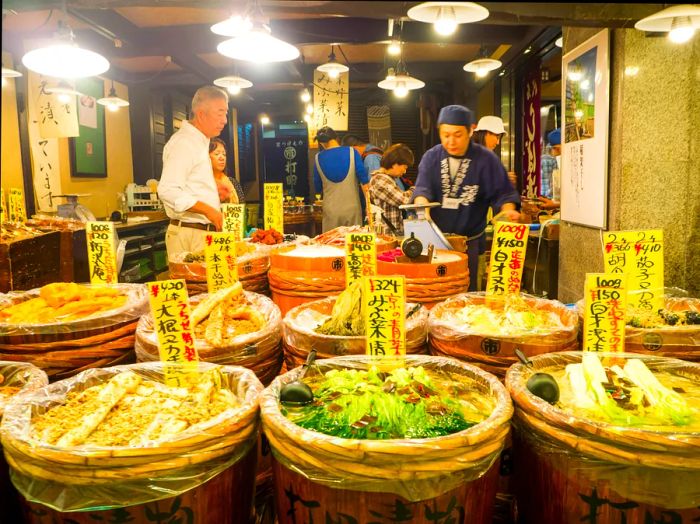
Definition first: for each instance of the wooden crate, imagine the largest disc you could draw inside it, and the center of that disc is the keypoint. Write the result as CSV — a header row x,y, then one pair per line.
x,y
31,262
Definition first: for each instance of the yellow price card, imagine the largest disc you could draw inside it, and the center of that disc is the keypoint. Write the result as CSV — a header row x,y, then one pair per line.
x,y
384,307
101,256
507,258
18,212
2,206
606,308
170,307
220,255
640,256
234,219
360,256
274,207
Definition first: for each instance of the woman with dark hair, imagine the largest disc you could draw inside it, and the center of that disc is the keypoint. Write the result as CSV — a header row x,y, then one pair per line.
x,y
384,191
230,191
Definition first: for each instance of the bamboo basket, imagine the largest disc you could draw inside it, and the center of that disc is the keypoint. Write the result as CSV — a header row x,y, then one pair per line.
x,y
98,479
496,354
681,342
299,335
260,351
456,474
569,467
430,283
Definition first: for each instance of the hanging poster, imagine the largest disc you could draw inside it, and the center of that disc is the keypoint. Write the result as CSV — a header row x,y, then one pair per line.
x,y
88,150
532,145
286,161
331,103
56,117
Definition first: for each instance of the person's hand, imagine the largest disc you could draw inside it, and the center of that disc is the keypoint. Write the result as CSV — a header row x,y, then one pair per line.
x,y
510,215
546,203
224,191
216,218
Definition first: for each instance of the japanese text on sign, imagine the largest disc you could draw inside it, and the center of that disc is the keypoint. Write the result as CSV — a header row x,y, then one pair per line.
x,y
220,255
604,317
17,209
360,256
101,258
274,207
385,315
2,205
640,256
507,258
234,219
170,309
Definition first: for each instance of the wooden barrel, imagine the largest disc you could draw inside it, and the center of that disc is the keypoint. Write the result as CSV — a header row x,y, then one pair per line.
x,y
444,479
260,351
681,342
495,353
201,476
300,274
430,283
299,336
572,469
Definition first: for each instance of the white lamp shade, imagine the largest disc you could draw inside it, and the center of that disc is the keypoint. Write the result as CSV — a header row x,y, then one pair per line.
x,y
10,73
233,26
464,12
663,20
482,66
258,46
112,101
333,68
62,89
65,61
235,82
401,82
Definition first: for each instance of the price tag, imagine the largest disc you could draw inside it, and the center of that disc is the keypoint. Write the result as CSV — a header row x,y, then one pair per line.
x,y
170,307
274,207
101,257
17,209
234,219
220,256
2,206
385,315
640,256
360,256
507,258
604,317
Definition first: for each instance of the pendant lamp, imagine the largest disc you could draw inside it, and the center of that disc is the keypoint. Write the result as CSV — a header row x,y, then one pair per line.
x,y
112,101
680,21
9,73
63,91
233,83
446,16
258,46
333,68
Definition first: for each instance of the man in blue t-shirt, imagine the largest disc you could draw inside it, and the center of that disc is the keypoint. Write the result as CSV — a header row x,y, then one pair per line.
x,y
466,179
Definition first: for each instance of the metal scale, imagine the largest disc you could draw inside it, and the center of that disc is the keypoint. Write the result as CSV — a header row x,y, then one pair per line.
x,y
423,228
74,210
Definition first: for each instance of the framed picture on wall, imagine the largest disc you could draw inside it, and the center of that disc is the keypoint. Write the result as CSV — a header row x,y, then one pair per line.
x,y
88,151
583,168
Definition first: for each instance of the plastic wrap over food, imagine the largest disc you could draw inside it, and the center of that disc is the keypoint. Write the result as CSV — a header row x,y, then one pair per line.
x,y
258,350
182,265
18,377
640,459
299,332
161,455
68,310
415,469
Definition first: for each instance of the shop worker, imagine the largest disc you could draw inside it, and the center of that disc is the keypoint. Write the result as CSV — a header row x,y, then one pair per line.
x,y
187,186
550,185
467,179
489,132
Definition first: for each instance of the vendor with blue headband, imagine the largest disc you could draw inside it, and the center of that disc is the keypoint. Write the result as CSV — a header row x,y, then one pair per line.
x,y
467,179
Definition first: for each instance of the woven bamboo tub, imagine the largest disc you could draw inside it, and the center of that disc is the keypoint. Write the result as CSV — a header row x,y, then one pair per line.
x,y
456,475
496,354
299,335
199,477
569,468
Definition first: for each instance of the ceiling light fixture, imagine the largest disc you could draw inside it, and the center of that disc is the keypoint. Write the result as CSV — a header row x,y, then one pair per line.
x,y
446,16
9,73
333,68
233,83
305,96
483,65
233,26
680,21
400,81
258,46
112,101
559,42
264,119
64,92
394,47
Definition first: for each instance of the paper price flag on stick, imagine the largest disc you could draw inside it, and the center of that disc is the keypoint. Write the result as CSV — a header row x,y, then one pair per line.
x,y
101,257
384,307
360,256
606,307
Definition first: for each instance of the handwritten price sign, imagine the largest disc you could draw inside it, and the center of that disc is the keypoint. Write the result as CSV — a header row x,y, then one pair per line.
x,y
170,308
640,256
604,317
385,315
17,210
220,256
507,258
360,256
234,219
274,207
101,257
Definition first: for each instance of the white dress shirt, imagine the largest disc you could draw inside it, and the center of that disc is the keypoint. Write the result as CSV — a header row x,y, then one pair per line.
x,y
187,175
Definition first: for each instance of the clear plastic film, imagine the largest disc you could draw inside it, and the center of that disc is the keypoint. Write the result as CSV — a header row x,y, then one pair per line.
x,y
415,469
259,350
17,378
659,466
251,264
84,310
299,335
89,477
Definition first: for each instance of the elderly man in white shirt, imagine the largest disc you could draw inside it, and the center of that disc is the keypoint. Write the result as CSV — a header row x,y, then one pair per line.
x,y
187,186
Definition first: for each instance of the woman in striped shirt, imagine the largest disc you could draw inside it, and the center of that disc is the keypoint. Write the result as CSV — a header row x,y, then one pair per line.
x,y
383,189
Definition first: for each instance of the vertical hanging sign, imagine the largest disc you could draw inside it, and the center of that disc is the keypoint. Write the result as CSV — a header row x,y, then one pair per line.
x,y
507,258
604,317
384,306
220,255
101,258
170,308
640,256
234,220
274,207
360,256
532,146
331,102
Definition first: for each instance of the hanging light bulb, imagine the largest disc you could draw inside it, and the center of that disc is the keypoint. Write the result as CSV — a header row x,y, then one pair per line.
x,y
446,23
233,84
400,90
112,101
682,30
680,21
64,92
307,119
264,119
445,16
258,46
400,81
309,109
482,66
394,48
305,96
333,68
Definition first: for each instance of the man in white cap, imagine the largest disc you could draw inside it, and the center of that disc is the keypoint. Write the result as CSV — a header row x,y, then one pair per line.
x,y
489,132
467,179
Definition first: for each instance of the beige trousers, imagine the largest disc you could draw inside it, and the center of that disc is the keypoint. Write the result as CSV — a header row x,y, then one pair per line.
x,y
180,239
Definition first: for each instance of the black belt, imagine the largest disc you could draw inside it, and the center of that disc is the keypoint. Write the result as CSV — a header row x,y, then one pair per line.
x,y
193,225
